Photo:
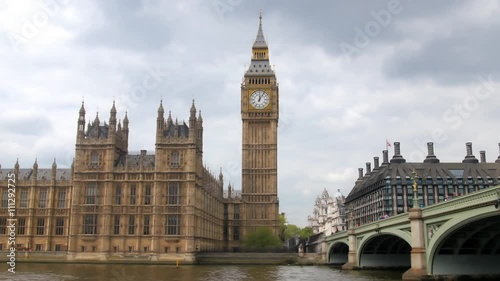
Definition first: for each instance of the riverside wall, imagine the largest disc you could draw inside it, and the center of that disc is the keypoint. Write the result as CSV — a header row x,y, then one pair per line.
x,y
217,258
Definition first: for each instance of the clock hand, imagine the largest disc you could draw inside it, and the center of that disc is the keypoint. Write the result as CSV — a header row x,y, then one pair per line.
x,y
260,96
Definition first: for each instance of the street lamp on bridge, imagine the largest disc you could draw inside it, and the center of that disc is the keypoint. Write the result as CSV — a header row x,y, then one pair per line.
x,y
414,177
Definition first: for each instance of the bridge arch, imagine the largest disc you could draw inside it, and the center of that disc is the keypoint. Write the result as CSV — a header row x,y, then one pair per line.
x,y
467,246
385,250
338,253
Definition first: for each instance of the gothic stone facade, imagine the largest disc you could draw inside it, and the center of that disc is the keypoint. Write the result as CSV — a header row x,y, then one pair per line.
x,y
328,214
168,205
259,113
114,203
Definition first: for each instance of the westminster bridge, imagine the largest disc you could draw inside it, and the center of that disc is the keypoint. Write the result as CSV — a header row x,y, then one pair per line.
x,y
457,237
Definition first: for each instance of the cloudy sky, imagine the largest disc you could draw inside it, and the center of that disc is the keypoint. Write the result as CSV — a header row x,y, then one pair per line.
x,y
352,74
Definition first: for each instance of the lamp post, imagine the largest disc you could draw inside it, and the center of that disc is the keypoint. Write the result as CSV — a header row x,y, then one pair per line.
x,y
414,177
351,216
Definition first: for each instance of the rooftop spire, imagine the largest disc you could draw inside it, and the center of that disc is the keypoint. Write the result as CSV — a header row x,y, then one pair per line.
x,y
169,119
113,108
160,108
82,109
260,41
97,119
125,121
201,119
192,115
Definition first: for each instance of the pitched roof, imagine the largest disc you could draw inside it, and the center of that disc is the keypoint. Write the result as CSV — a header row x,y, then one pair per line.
x,y
430,172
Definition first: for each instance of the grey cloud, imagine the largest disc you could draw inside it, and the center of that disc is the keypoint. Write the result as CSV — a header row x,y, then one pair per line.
x,y
27,126
126,28
461,59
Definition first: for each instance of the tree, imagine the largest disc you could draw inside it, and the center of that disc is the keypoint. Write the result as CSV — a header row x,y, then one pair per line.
x,y
262,239
282,227
306,232
291,231
287,231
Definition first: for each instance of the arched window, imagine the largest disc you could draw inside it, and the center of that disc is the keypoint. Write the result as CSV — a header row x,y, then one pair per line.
x,y
175,160
94,159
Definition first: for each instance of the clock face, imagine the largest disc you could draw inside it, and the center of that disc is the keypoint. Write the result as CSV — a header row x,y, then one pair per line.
x,y
259,99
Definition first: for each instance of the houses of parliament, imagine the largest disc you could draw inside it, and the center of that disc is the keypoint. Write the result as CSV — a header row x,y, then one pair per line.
x,y
113,204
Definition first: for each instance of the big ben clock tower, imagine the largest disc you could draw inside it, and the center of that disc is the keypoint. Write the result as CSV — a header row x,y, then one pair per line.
x,y
259,114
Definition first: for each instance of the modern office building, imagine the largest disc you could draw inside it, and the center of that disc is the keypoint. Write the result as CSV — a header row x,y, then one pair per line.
x,y
387,190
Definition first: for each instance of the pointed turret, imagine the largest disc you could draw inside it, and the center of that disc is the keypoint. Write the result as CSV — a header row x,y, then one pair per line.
x,y
199,134
125,132
160,122
260,41
169,119
176,128
193,110
161,111
16,169
35,170
54,169
112,122
260,65
125,121
192,120
81,123
113,110
82,110
35,165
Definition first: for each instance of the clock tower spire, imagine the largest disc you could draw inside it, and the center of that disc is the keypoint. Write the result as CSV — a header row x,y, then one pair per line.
x,y
259,114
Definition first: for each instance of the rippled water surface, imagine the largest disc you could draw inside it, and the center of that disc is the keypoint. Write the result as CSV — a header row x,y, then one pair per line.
x,y
119,272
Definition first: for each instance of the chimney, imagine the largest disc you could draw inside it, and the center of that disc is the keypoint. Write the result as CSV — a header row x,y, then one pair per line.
x,y
482,154
368,168
431,158
498,159
469,148
385,158
397,158
375,163
360,173
469,158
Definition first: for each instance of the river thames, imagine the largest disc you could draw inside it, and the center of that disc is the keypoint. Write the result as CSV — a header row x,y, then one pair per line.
x,y
120,272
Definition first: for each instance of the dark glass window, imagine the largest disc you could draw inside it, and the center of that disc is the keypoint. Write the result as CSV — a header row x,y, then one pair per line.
x,y
60,226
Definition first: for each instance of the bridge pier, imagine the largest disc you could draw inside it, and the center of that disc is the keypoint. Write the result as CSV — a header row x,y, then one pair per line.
x,y
352,256
418,261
